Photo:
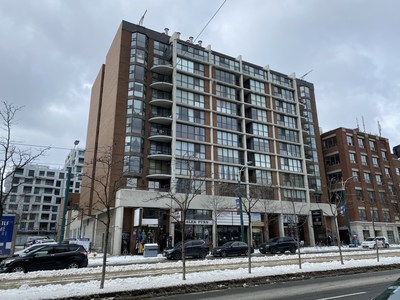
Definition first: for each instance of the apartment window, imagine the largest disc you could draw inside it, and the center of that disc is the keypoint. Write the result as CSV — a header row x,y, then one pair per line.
x,y
387,172
61,175
263,177
372,145
257,114
190,115
386,216
293,180
138,40
190,98
384,157
294,195
135,107
378,179
285,107
288,135
47,199
190,132
329,142
31,173
27,189
50,174
364,160
227,172
136,89
332,160
133,144
286,121
362,215
225,92
228,139
360,142
133,163
375,162
334,177
349,140
226,77
190,66
190,168
228,155
224,62
375,215
352,158
257,86
258,100
391,190
283,93
190,82
258,129
226,107
398,171
262,160
137,72
259,144
382,197
190,150
359,195
367,177
371,196
304,91
356,177
289,149
226,122
258,73
291,165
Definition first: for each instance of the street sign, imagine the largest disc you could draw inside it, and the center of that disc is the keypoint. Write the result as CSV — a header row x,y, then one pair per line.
x,y
6,234
317,217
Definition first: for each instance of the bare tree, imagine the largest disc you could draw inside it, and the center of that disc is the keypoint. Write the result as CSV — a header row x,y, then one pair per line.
x,y
104,185
182,194
218,204
13,159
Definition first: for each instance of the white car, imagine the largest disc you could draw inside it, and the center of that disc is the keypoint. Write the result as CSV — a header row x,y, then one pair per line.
x,y
371,242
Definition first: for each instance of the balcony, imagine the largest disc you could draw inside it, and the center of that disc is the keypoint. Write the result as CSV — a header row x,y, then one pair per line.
x,y
159,174
162,66
161,117
164,154
162,82
160,134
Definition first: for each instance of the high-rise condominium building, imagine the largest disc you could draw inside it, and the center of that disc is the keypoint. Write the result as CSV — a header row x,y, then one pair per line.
x,y
169,109
365,176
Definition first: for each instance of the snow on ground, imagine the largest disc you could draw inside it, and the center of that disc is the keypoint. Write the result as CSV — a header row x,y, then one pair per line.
x,y
137,263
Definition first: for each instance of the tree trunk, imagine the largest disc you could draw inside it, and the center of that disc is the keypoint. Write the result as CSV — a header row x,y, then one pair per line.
x,y
249,239
103,270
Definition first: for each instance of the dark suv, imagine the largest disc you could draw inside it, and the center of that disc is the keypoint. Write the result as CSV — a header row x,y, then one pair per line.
x,y
48,257
281,244
195,248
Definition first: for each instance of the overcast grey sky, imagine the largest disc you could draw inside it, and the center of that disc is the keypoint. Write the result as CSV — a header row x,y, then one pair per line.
x,y
51,52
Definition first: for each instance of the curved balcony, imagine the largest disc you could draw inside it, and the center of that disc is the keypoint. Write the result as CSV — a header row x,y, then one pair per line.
x,y
158,174
165,69
162,82
160,135
167,103
160,155
164,120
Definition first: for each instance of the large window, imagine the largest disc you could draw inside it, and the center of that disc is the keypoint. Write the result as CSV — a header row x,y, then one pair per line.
x,y
228,139
293,180
227,123
289,149
283,93
190,132
287,121
282,80
375,162
257,86
288,164
367,177
329,142
294,195
135,107
189,98
226,107
138,56
133,164
258,129
262,160
227,172
138,40
134,125
225,92
364,160
257,100
225,62
190,115
259,144
190,66
263,177
192,52
304,91
133,144
332,160
136,89
225,77
352,158
288,135
190,82
228,155
190,150
285,107
190,168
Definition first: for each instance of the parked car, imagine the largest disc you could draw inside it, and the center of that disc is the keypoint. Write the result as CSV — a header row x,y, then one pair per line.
x,y
193,248
47,257
371,242
29,249
279,244
233,248
34,239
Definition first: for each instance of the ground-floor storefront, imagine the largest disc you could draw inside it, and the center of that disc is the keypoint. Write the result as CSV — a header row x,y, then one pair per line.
x,y
138,220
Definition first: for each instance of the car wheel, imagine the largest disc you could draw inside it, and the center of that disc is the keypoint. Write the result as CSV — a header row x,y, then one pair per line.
x,y
283,251
273,250
223,253
177,256
203,254
293,250
386,245
262,252
18,269
73,265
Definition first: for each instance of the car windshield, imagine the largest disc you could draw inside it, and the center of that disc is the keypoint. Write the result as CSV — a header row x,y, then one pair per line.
x,y
370,239
31,249
228,244
273,240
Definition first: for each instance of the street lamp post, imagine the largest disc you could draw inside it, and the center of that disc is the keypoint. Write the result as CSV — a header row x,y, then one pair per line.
x,y
239,194
66,195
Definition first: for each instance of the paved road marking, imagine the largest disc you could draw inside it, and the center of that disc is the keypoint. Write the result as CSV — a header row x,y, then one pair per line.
x,y
342,296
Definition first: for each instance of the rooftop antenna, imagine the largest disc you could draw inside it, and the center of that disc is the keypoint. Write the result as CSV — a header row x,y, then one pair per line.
x,y
379,128
142,18
358,125
302,77
363,123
